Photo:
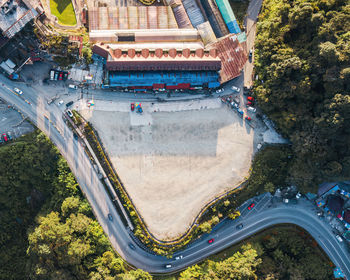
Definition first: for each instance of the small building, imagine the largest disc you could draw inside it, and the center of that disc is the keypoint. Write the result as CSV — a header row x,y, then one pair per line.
x,y
8,66
346,216
335,204
14,15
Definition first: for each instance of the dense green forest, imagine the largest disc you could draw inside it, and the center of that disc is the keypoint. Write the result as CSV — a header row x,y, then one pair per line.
x,y
282,253
302,60
48,230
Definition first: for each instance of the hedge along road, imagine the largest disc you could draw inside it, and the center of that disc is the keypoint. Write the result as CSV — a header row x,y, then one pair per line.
x,y
48,118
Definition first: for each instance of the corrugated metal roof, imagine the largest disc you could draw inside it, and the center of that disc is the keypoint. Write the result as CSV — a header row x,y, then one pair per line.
x,y
215,18
193,11
232,55
206,32
181,16
228,16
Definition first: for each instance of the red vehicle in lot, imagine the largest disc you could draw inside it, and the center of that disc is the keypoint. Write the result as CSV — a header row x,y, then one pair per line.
x,y
132,106
248,118
249,103
60,76
4,136
211,240
251,206
249,98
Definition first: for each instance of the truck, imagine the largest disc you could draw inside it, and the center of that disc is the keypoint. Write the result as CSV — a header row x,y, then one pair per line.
x,y
52,99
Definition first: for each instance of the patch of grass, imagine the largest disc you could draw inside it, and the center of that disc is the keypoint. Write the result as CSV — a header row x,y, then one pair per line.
x,y
63,10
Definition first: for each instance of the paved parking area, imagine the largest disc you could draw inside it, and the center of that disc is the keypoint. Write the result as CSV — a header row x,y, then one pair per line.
x,y
12,121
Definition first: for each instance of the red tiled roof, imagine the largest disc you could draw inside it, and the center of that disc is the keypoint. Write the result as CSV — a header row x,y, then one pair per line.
x,y
232,56
100,51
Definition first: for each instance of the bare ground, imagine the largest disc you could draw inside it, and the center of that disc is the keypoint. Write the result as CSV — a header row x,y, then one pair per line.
x,y
173,163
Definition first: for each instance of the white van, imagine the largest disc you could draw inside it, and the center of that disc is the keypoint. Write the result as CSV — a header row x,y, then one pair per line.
x,y
52,75
73,87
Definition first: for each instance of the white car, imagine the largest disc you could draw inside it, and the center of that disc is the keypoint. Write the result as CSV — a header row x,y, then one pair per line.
x,y
60,102
236,89
251,109
179,257
339,238
234,105
18,90
220,90
69,113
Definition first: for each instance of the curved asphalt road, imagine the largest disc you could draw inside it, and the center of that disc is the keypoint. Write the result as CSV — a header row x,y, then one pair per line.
x,y
225,234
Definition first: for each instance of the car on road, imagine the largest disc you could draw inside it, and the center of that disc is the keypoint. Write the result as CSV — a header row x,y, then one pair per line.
x,y
132,246
132,106
248,118
240,226
4,137
110,217
210,241
251,109
75,136
168,266
60,103
236,89
220,90
250,55
179,257
339,238
69,113
18,90
251,206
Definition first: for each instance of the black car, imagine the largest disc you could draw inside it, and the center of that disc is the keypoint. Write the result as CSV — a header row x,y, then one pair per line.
x,y
70,103
75,136
240,226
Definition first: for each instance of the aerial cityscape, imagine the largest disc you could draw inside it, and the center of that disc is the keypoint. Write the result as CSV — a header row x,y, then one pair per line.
x,y
174,139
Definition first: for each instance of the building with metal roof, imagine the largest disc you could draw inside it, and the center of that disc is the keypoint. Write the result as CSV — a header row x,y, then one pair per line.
x,y
228,16
232,56
335,203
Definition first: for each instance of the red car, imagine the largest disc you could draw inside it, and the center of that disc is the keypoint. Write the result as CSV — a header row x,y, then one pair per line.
x,y
211,240
250,98
249,103
132,106
248,118
251,206
60,76
4,136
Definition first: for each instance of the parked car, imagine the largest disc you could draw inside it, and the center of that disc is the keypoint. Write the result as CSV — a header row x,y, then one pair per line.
x,y
220,90
250,55
251,109
60,103
210,241
110,217
18,90
70,103
240,111
234,105
69,113
60,77
73,87
4,137
240,226
236,89
249,103
248,118
75,136
132,106
132,246
251,206
56,75
250,98
9,135
65,75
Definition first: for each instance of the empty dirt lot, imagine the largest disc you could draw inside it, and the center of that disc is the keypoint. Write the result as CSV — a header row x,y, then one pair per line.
x,y
175,157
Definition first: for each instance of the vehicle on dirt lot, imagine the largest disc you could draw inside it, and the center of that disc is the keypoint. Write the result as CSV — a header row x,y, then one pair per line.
x,y
236,89
210,241
70,103
251,206
60,103
69,113
18,90
132,106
